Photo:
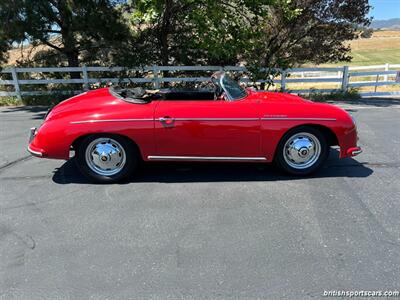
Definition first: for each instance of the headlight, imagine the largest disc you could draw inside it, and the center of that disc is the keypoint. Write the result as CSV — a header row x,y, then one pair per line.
x,y
354,120
48,113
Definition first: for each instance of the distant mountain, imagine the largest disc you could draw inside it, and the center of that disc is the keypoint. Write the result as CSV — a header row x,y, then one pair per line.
x,y
393,24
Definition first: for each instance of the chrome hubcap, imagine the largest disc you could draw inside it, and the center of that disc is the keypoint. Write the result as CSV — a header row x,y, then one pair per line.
x,y
302,150
105,156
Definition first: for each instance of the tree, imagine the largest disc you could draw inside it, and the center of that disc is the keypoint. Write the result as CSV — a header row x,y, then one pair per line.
x,y
259,34
366,33
307,31
256,33
70,28
4,45
196,31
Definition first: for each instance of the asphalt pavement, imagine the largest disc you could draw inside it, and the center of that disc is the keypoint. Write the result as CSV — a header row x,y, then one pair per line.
x,y
201,231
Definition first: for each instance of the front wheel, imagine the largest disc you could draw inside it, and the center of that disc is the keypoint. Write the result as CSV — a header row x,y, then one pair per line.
x,y
106,158
302,150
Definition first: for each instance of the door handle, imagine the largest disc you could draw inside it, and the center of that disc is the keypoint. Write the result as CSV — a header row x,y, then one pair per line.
x,y
167,120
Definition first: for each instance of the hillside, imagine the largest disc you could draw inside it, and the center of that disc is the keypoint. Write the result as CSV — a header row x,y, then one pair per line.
x,y
392,24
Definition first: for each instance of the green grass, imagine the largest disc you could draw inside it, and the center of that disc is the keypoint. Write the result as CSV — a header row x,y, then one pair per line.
x,y
375,57
369,58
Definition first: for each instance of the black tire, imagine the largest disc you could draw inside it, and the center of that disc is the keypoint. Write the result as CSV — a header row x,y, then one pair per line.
x,y
129,166
284,165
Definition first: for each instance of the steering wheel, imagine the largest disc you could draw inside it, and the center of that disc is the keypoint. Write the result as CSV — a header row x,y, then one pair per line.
x,y
218,91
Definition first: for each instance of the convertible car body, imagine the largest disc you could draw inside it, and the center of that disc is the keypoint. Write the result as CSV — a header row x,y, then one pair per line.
x,y
112,129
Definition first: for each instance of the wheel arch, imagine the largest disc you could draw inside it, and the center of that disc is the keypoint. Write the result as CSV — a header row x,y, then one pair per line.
x,y
75,143
328,133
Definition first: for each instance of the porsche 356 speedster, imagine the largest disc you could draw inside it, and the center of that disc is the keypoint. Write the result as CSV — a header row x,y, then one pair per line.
x,y
110,130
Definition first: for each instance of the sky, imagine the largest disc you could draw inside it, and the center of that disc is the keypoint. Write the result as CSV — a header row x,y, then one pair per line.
x,y
385,9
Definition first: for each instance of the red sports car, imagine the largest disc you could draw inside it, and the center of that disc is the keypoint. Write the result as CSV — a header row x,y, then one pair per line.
x,y
111,129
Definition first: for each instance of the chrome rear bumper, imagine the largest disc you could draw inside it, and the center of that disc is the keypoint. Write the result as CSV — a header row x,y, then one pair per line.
x,y
354,151
32,134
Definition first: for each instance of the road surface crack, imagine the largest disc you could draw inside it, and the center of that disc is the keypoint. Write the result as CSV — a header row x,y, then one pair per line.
x,y
14,162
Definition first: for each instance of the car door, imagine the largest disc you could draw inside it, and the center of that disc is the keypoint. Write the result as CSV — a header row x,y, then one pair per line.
x,y
216,130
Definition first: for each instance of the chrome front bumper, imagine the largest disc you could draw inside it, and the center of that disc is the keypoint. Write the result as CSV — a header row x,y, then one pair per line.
x,y
35,153
32,134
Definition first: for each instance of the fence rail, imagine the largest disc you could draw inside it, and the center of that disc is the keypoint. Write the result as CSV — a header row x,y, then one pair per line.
x,y
343,77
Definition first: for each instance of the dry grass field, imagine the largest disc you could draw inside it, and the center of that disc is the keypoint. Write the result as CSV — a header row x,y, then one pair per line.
x,y
26,52
383,47
380,40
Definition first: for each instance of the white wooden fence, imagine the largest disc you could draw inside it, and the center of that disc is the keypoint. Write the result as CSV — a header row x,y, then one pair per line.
x,y
343,77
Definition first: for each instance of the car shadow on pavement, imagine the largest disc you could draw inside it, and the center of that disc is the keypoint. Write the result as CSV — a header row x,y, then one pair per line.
x,y
38,111
170,172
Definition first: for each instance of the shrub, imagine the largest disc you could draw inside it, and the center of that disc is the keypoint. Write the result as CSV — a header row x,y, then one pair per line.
x,y
10,101
46,100
351,94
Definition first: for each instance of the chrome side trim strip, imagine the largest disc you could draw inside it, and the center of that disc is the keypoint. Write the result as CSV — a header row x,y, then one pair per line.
x,y
220,158
216,119
205,119
35,153
298,119
110,120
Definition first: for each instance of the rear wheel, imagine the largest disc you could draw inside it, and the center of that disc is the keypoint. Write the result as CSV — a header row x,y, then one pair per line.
x,y
106,158
302,150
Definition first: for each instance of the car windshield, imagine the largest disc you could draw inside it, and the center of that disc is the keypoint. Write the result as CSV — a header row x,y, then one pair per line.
x,y
226,84
233,90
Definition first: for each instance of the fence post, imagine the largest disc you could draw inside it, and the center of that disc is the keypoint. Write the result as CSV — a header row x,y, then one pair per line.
x,y
345,78
16,84
385,78
156,79
283,81
85,78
